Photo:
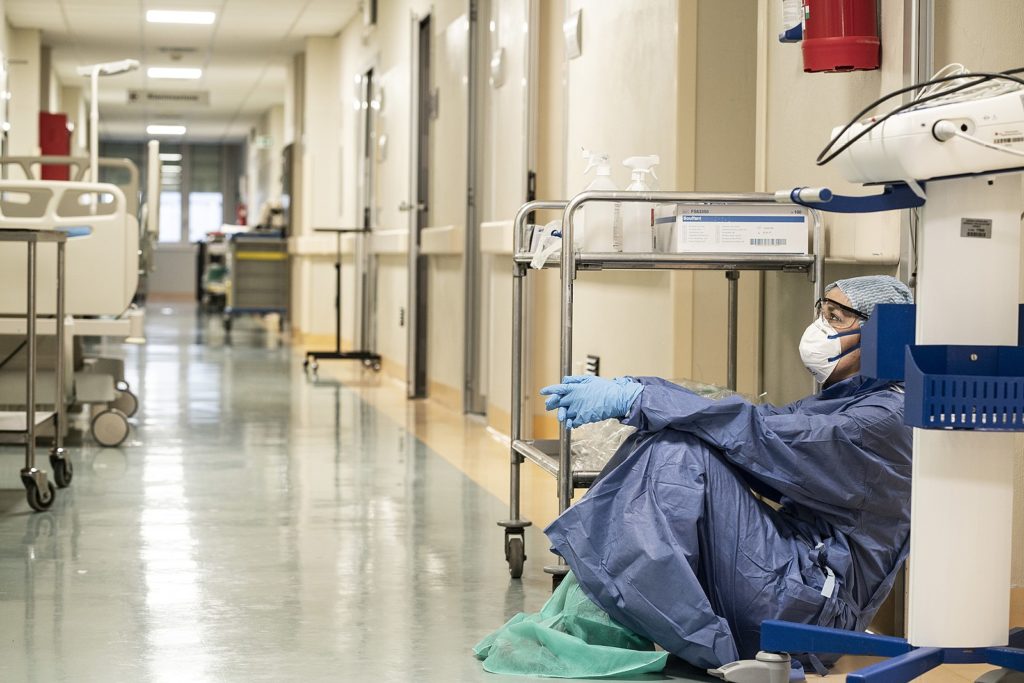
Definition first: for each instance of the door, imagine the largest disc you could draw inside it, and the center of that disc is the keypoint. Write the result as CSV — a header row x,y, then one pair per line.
x,y
504,154
416,377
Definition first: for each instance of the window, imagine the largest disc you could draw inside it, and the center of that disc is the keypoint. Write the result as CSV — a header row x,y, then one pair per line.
x,y
202,178
205,214
170,216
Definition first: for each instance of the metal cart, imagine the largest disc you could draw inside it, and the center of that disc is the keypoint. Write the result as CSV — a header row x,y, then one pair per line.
x,y
554,456
369,359
21,427
258,276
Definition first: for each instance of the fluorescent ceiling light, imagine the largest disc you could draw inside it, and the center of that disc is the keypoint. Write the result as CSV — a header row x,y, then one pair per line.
x,y
167,156
167,168
165,16
160,129
174,72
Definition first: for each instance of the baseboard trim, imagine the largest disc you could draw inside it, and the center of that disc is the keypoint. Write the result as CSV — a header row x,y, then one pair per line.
x,y
445,395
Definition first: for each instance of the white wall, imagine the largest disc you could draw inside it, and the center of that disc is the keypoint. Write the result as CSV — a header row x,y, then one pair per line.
x,y
263,167
333,196
801,111
174,272
73,104
24,79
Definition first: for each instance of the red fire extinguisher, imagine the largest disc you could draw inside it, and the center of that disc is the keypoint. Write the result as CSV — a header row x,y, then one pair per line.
x,y
841,35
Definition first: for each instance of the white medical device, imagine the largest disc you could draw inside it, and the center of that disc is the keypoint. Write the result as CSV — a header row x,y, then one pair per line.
x,y
962,147
958,138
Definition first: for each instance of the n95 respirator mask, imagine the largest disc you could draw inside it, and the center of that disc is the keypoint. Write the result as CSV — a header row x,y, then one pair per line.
x,y
821,348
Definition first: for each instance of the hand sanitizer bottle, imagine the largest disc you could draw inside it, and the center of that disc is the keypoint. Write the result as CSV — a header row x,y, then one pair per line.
x,y
596,223
637,234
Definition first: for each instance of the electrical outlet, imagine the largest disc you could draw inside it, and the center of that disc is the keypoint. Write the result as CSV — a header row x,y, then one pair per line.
x,y
593,365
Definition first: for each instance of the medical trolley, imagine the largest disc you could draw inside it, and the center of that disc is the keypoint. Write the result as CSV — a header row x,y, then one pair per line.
x,y
555,455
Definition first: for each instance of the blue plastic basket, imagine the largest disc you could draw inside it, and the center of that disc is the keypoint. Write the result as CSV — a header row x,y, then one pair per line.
x,y
884,339
965,387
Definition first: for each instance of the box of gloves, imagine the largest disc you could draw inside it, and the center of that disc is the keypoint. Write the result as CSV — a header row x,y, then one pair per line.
x,y
731,229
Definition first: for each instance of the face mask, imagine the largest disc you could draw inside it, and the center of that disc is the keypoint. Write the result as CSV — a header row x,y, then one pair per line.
x,y
820,348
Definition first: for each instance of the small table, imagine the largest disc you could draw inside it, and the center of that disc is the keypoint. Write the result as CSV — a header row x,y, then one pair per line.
x,y
369,358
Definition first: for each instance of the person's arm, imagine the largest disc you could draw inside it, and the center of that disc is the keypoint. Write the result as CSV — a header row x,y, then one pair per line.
x,y
817,460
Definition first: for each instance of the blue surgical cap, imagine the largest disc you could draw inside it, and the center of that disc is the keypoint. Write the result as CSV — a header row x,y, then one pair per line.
x,y
868,291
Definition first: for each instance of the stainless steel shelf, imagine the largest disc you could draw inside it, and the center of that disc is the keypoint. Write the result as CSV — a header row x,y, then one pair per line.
x,y
659,261
542,452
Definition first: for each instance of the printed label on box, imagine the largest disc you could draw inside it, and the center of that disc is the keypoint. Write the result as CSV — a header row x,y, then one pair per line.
x,y
740,229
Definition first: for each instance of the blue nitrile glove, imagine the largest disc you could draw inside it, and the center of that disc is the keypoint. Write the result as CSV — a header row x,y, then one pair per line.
x,y
582,399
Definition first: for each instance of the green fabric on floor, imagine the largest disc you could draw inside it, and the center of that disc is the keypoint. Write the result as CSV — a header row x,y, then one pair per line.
x,y
570,637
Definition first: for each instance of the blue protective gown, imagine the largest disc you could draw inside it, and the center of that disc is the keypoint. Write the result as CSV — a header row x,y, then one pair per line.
x,y
673,545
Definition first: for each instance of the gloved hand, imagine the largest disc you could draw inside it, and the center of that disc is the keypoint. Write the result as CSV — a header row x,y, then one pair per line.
x,y
581,399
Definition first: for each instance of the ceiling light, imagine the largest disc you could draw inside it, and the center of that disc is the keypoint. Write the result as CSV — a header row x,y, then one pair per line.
x,y
164,16
189,73
167,156
160,129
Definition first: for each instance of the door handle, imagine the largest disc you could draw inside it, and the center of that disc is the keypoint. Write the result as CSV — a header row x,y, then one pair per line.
x,y
406,206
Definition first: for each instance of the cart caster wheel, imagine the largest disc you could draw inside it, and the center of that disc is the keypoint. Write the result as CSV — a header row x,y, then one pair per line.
x,y
126,402
515,553
305,365
38,500
227,324
110,428
63,472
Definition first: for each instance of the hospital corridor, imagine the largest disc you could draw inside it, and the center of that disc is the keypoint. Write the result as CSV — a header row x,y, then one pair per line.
x,y
511,340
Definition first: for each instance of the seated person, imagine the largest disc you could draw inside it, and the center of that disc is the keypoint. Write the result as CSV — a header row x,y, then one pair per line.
x,y
672,543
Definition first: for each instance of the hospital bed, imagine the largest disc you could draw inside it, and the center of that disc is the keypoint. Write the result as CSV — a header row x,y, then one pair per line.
x,y
102,278
144,216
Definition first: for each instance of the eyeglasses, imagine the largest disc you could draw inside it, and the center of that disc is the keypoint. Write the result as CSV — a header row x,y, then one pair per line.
x,y
837,315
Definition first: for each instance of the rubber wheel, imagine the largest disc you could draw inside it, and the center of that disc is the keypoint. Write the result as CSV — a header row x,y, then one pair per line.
x,y
110,428
35,501
63,471
515,553
126,402
227,324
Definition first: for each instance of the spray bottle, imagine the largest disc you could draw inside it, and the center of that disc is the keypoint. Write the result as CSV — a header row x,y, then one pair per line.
x,y
637,223
596,224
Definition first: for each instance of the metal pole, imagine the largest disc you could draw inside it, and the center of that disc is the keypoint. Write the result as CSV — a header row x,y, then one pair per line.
x,y
94,127
515,429
518,316
30,377
818,274
58,402
733,276
568,272
517,388
337,296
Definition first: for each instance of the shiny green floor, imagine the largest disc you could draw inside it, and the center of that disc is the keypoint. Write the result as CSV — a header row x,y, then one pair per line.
x,y
255,527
